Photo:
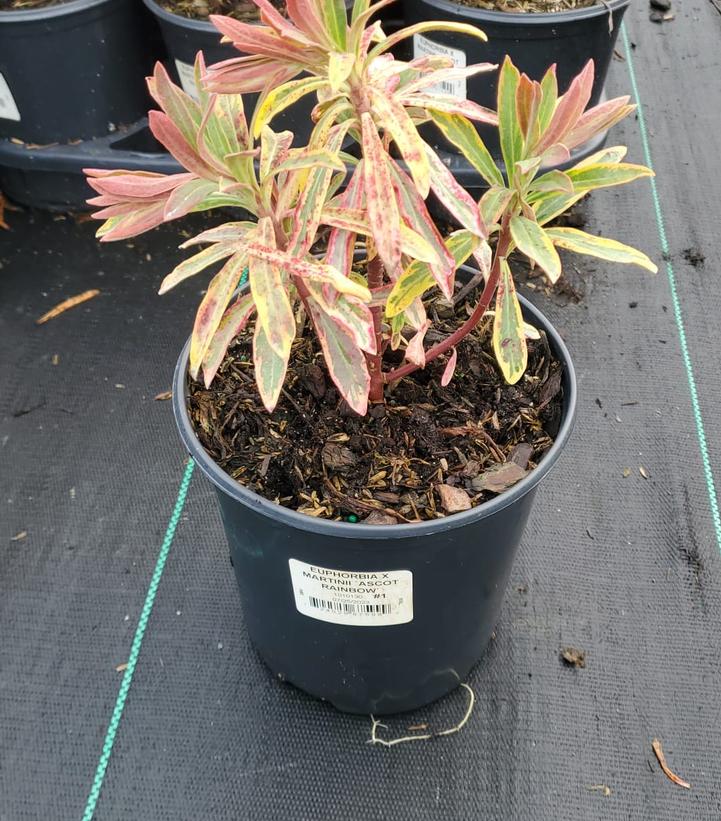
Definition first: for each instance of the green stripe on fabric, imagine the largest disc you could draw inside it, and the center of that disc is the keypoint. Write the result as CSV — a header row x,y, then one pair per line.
x,y
137,643
678,315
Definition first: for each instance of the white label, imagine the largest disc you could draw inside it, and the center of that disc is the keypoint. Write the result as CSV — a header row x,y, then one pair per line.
x,y
8,109
423,47
186,72
366,599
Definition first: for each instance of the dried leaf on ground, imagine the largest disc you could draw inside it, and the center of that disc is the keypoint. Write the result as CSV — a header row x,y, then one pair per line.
x,y
18,537
121,668
161,397
66,304
574,657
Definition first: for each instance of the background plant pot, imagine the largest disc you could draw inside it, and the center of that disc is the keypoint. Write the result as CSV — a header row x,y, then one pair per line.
x,y
51,177
185,37
459,568
74,70
533,41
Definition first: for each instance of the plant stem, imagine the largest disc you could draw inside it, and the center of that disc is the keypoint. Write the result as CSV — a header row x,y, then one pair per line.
x,y
504,240
375,361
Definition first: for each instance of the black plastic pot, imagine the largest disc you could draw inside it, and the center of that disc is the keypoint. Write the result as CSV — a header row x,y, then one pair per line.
x,y
451,574
74,70
185,37
51,177
533,41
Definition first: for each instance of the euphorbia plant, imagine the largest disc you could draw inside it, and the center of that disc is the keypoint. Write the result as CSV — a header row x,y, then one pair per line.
x,y
374,200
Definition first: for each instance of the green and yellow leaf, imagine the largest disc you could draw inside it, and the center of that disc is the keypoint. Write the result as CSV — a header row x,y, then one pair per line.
x,y
572,239
459,131
509,339
533,241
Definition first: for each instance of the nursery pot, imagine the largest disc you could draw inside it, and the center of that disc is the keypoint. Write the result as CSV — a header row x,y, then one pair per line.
x,y
185,37
533,41
74,70
373,618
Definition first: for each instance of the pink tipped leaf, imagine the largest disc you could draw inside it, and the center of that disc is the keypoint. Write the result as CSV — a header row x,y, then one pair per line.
x,y
234,320
383,214
267,285
450,368
211,309
270,369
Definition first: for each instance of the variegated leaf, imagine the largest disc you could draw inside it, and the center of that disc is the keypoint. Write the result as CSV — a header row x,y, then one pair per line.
x,y
381,203
280,97
605,175
268,287
533,241
345,361
572,239
234,320
398,124
197,263
509,130
270,369
509,339
418,277
212,307
465,138
455,198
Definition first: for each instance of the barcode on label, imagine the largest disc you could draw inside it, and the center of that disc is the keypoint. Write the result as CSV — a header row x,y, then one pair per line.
x,y
423,47
352,608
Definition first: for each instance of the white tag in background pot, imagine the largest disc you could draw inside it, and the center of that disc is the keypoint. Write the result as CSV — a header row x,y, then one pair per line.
x,y
364,599
186,73
8,108
423,47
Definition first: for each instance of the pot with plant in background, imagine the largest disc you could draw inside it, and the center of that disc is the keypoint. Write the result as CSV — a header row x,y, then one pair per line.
x,y
374,416
187,28
535,34
72,70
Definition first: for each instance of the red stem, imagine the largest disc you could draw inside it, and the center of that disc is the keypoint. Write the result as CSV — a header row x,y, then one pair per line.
x,y
375,361
484,301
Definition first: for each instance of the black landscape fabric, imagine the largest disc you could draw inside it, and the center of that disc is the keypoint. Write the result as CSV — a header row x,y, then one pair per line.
x,y
620,558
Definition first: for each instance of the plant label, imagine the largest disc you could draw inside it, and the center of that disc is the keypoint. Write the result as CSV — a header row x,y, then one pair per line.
x,y
423,47
186,74
8,108
361,598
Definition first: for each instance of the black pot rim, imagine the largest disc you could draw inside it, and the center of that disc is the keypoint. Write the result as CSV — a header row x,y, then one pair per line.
x,y
50,12
240,493
541,18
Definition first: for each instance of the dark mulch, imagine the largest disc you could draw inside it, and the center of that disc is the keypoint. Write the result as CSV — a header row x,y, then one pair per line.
x,y
427,451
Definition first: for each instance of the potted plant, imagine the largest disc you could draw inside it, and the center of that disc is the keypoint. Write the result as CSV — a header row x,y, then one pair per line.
x,y
534,34
89,81
374,434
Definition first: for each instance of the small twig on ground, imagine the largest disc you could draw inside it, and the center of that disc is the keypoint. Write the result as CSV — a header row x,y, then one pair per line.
x,y
656,745
425,736
67,304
